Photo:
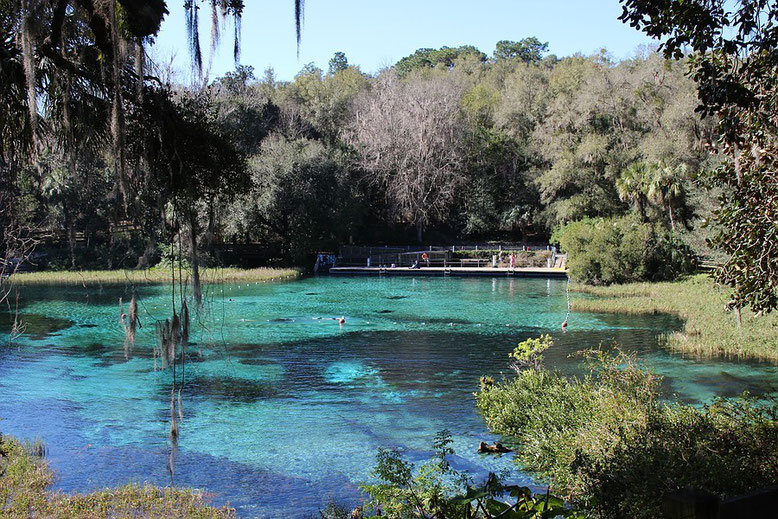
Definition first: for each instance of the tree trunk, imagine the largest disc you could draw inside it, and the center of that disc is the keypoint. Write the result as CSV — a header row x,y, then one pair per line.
x,y
418,228
71,238
524,228
641,208
194,260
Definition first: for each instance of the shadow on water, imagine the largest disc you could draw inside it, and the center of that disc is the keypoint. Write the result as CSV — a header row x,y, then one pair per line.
x,y
100,295
230,389
254,492
36,326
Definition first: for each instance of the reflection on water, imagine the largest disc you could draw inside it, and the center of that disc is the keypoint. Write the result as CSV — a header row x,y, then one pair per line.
x,y
285,409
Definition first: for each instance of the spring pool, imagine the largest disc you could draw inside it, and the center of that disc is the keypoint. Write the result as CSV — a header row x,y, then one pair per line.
x,y
284,409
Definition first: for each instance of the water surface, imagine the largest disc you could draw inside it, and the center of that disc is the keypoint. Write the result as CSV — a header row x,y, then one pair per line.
x,y
284,409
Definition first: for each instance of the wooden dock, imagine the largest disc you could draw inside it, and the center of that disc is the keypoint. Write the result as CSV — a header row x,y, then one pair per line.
x,y
524,272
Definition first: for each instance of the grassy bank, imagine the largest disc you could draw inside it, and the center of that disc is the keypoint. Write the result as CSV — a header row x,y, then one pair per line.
x,y
25,479
151,276
709,329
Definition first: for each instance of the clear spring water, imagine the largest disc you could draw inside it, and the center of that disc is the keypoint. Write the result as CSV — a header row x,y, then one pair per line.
x,y
284,409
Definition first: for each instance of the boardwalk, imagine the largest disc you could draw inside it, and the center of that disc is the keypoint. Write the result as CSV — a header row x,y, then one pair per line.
x,y
527,272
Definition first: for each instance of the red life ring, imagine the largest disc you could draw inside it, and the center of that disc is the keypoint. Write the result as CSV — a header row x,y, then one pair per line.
x,y
424,256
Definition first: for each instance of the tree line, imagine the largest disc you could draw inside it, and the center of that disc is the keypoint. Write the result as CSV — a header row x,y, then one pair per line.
x,y
446,145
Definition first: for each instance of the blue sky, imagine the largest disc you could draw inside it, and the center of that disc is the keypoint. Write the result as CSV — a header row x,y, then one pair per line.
x,y
374,33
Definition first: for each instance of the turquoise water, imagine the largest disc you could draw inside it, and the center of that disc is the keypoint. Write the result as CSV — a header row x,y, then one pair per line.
x,y
283,408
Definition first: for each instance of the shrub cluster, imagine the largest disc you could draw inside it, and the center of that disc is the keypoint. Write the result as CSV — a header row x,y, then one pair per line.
x,y
611,446
622,250
436,489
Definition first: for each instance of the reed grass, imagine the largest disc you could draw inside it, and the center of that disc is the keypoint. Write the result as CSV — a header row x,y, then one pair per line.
x,y
25,480
151,276
709,329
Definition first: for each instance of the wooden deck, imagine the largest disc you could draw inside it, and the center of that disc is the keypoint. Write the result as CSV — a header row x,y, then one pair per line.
x,y
526,272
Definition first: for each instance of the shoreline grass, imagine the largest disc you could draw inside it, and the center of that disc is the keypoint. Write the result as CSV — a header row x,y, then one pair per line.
x,y
709,330
152,276
25,481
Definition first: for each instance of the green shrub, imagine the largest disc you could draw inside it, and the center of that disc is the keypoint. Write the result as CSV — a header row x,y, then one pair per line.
x,y
528,353
436,489
621,250
610,445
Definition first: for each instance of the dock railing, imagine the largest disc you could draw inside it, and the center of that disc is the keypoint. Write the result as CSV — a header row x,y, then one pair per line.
x,y
435,255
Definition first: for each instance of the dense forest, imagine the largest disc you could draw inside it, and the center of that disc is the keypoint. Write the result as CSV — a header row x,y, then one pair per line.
x,y
447,145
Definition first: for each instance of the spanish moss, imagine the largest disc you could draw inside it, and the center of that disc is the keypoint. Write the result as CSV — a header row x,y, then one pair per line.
x,y
28,57
299,8
193,35
236,45
215,29
173,419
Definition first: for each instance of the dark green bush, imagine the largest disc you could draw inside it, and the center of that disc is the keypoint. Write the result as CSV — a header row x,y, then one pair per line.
x,y
610,445
622,250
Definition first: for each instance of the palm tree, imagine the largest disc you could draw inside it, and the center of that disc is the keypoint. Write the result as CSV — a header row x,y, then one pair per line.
x,y
633,186
666,189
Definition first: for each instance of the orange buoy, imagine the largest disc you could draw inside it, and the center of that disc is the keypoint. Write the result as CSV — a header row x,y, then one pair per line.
x,y
564,326
341,320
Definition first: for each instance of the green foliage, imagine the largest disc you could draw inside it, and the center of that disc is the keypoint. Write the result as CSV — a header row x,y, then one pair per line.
x,y
528,50
511,147
430,58
338,63
435,489
621,250
603,117
612,446
323,102
733,62
300,197
528,353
